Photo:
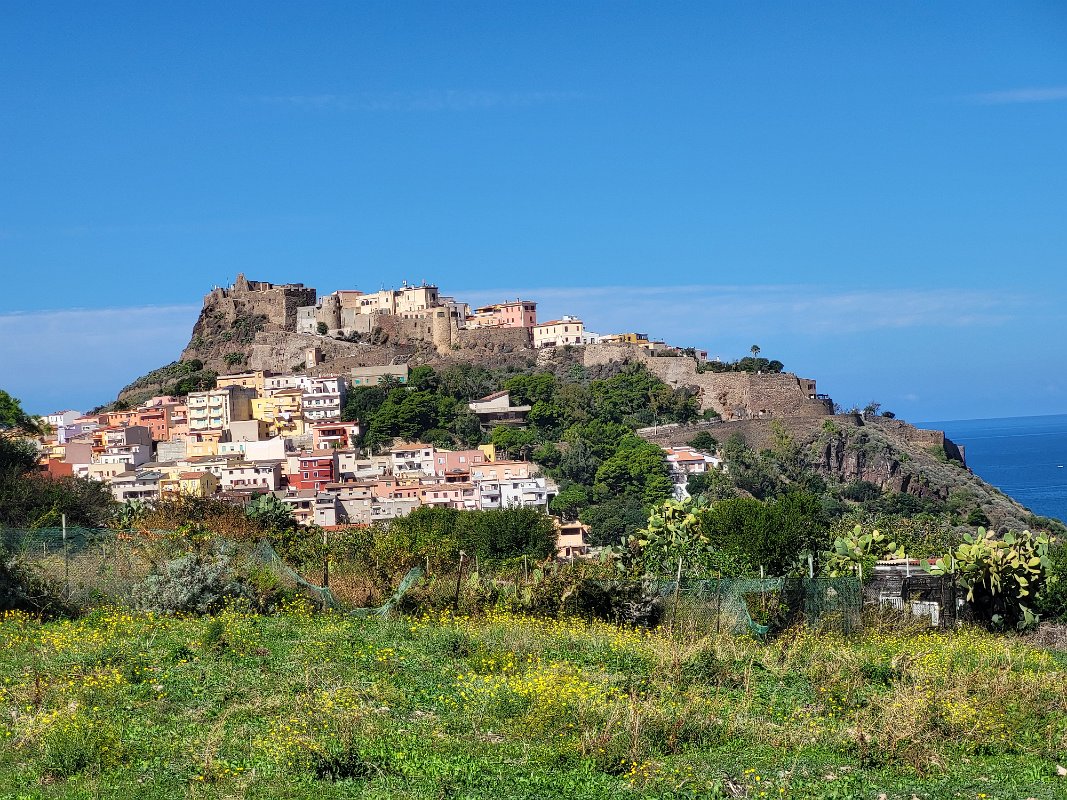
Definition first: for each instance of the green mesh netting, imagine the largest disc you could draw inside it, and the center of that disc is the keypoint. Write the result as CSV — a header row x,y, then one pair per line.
x,y
85,567
755,605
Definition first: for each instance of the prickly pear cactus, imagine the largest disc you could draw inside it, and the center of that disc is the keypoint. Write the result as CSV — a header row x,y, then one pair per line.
x,y
856,550
1002,576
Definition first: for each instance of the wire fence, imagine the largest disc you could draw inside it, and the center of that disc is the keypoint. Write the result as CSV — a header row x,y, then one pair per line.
x,y
74,569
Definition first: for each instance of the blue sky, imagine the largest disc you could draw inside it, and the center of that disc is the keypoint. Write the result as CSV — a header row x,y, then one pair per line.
x,y
875,193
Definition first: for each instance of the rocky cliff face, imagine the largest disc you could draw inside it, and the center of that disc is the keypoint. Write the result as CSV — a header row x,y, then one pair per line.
x,y
891,454
231,318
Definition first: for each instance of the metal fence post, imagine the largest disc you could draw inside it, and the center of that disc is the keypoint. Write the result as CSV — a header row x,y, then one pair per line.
x,y
66,560
459,578
677,587
718,601
325,559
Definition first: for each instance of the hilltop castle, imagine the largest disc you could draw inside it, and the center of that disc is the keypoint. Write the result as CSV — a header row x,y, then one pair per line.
x,y
265,326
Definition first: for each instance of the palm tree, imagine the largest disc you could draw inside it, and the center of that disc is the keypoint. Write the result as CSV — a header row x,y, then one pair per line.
x,y
755,350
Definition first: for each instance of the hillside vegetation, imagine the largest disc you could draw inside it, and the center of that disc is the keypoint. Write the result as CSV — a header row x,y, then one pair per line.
x,y
120,705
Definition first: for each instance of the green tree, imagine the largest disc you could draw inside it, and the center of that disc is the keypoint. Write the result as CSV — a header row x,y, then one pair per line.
x,y
711,485
322,328
578,463
12,417
29,499
539,387
363,402
636,466
616,517
546,417
749,470
467,428
514,441
423,379
570,501
704,442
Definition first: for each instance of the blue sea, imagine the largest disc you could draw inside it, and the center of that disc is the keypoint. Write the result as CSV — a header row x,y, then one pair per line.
x,y
1025,457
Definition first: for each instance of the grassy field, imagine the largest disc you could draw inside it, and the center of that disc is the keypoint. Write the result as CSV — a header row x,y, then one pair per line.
x,y
328,706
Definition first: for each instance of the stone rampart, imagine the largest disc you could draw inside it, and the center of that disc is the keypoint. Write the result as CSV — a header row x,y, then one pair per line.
x,y
493,340
232,317
282,351
734,395
277,302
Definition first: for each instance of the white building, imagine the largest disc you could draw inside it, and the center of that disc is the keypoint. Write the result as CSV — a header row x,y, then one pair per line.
x,y
60,419
323,397
415,457
244,476
131,485
132,455
559,332
512,492
685,461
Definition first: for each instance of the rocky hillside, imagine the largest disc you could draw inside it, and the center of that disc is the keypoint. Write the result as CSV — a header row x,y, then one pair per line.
x,y
887,454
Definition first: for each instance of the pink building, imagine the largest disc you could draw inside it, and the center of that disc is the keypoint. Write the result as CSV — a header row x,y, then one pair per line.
x,y
335,435
513,314
500,470
156,419
450,462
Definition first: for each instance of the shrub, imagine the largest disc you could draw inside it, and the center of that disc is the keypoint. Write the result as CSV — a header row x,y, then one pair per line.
x,y
194,583
704,441
861,492
1052,603
76,744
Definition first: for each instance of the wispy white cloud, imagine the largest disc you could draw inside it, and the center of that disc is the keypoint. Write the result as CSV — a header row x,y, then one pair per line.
x,y
438,100
1045,94
82,357
701,314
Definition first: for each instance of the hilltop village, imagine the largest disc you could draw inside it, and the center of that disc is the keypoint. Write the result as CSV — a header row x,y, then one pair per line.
x,y
356,409
257,404
259,430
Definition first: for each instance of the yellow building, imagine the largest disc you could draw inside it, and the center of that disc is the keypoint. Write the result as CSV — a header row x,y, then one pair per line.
x,y
246,380
625,338
203,443
283,411
197,484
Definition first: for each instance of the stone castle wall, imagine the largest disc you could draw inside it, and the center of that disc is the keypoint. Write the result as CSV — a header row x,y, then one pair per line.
x,y
734,395
282,351
277,302
494,340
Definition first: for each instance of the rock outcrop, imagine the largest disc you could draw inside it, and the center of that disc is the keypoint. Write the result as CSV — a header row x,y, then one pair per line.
x,y
891,454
